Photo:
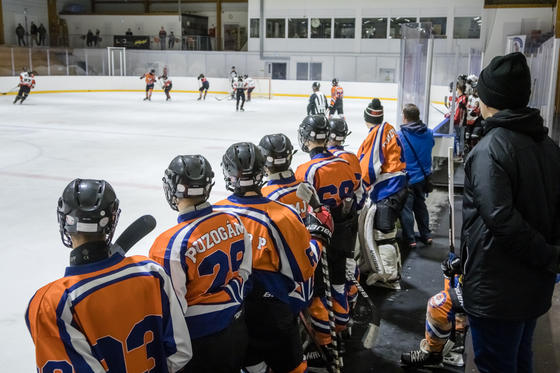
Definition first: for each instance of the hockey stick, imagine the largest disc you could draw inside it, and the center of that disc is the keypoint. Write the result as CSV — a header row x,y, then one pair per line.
x,y
451,191
308,194
134,233
309,331
10,90
438,109
370,336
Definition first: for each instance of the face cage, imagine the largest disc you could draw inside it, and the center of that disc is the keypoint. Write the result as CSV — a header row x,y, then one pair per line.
x,y
302,140
67,240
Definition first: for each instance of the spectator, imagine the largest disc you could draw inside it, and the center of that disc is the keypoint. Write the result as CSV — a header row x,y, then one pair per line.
x,y
42,35
162,37
97,37
20,33
128,32
33,31
212,31
89,38
417,141
171,40
511,220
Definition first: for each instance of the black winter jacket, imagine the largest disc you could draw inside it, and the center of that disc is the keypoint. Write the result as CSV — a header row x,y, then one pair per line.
x,y
511,218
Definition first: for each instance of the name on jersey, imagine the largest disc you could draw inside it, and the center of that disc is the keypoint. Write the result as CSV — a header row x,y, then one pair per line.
x,y
213,238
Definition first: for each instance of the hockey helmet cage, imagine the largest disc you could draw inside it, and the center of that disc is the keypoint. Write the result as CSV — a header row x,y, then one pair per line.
x,y
338,129
187,176
335,81
87,206
316,85
243,168
277,151
312,128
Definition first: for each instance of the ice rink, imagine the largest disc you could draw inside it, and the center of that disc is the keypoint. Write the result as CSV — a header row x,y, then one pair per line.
x,y
54,138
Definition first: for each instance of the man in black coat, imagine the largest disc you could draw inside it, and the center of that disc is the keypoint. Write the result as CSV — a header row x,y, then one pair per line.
x,y
510,244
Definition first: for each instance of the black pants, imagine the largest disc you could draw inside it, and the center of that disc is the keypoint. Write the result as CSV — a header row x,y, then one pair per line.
x,y
21,41
240,96
337,107
222,352
22,93
388,211
273,334
167,89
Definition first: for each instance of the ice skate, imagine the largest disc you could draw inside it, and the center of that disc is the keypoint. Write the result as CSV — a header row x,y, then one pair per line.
x,y
422,358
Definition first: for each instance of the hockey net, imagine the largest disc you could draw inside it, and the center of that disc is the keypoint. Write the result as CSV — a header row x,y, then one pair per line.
x,y
263,88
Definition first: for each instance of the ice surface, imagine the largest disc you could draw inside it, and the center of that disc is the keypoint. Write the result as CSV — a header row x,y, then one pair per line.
x,y
54,138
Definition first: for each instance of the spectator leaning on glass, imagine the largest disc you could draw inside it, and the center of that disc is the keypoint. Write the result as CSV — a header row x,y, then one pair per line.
x,y
417,141
42,34
511,220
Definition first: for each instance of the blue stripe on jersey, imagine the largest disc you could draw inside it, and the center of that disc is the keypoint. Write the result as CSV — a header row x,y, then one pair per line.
x,y
281,286
93,267
281,193
248,199
371,168
27,313
210,323
282,181
191,215
381,155
298,276
388,187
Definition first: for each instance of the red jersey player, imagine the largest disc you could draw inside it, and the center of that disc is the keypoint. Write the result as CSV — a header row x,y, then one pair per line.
x,y
108,313
204,85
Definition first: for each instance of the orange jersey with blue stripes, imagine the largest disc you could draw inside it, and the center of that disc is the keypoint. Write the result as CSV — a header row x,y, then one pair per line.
x,y
337,93
150,78
119,314
332,178
284,190
351,158
284,255
208,256
382,162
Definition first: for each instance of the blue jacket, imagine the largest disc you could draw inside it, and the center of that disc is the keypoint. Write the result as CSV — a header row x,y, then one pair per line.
x,y
422,139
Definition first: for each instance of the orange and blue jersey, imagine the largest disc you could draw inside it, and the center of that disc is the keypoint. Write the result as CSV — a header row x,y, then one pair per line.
x,y
119,314
150,78
284,255
337,93
382,162
351,158
283,189
208,256
332,177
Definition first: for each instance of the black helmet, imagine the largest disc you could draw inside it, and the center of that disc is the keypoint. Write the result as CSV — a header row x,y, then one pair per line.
x,y
200,76
277,150
246,76
152,71
87,206
338,129
243,167
462,82
187,176
312,128
316,85
335,81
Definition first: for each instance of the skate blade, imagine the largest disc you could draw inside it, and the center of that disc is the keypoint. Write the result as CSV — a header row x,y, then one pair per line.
x,y
454,359
370,336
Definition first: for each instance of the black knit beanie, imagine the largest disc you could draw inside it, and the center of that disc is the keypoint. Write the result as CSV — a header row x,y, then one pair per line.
x,y
374,112
506,82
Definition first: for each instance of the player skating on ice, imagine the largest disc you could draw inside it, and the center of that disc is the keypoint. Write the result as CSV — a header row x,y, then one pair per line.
x,y
26,83
282,184
240,86
284,258
250,86
150,78
108,312
166,84
446,323
337,95
204,85
317,101
233,78
338,188
382,164
208,255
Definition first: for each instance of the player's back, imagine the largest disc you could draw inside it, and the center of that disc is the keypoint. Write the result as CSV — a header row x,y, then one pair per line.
x,y
351,158
150,79
208,258
114,315
284,190
332,177
284,256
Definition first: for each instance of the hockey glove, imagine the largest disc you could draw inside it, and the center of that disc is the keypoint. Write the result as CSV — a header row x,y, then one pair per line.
x,y
451,266
320,225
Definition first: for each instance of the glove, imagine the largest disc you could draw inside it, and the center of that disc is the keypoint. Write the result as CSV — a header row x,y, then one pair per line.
x,y
451,266
320,225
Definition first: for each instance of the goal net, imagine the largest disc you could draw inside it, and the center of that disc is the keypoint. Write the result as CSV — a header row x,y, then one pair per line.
x,y
263,88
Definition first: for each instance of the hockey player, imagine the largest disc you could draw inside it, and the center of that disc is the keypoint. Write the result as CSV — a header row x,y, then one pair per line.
x,y
338,132
26,83
460,115
233,78
473,128
240,86
150,81
204,85
250,86
282,184
317,101
166,84
338,188
284,258
382,163
337,94
108,313
445,320
189,253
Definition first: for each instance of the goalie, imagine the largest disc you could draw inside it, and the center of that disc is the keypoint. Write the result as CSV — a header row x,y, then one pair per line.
x,y
382,163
